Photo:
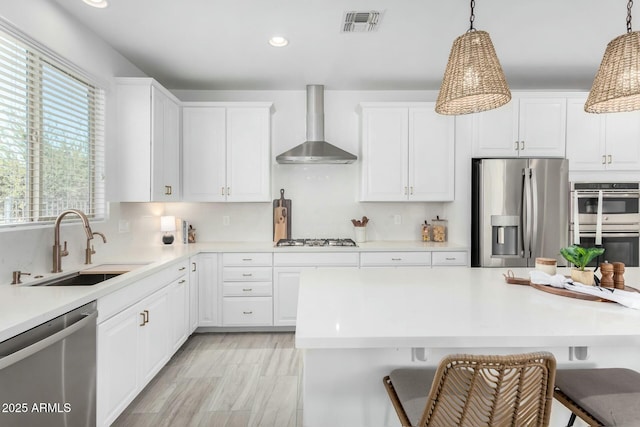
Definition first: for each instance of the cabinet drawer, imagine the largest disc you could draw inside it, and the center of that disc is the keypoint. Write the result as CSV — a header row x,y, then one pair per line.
x,y
247,274
448,258
251,311
247,289
389,259
241,259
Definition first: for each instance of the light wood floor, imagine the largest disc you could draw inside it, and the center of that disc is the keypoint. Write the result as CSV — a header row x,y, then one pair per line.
x,y
224,380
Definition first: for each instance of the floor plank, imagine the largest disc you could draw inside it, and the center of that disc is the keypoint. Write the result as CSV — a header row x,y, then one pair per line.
x,y
224,380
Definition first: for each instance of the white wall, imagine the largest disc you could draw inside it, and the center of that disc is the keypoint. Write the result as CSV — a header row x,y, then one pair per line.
x,y
29,249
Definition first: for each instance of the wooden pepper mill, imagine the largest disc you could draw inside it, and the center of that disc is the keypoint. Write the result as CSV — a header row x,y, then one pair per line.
x,y
618,275
607,275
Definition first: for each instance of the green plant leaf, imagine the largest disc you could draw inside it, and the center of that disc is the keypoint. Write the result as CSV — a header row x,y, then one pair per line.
x,y
579,256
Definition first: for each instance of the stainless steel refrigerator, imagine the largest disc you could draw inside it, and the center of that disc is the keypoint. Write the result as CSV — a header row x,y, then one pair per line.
x,y
519,211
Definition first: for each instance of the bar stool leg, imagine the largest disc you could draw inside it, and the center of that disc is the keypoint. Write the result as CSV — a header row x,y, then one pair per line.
x,y
572,419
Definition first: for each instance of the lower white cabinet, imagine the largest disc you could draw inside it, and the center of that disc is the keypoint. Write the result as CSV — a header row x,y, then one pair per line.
x,y
179,307
206,274
247,289
140,327
286,279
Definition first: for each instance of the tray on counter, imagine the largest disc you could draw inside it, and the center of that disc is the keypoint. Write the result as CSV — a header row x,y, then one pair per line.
x,y
511,279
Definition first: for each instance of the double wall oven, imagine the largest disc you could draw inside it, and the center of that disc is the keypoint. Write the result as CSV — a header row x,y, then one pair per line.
x,y
619,217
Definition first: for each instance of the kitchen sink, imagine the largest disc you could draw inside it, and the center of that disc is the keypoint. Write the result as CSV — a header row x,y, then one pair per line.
x,y
78,279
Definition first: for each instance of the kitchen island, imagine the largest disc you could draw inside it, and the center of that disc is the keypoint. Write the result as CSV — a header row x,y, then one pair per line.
x,y
355,325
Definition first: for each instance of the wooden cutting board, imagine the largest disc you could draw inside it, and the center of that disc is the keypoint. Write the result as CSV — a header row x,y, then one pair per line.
x,y
281,218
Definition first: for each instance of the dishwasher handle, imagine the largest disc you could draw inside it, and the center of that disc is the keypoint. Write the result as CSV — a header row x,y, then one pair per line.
x,y
22,354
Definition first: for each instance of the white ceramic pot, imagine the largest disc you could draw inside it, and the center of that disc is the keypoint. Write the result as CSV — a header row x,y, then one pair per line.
x,y
360,234
585,277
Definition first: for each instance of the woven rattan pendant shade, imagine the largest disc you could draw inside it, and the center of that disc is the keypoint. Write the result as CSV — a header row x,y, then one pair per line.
x,y
473,80
616,87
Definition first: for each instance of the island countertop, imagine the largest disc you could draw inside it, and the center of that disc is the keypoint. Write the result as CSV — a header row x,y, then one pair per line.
x,y
454,307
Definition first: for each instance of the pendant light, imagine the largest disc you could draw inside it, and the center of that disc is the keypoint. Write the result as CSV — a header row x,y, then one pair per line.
x,y
616,87
473,80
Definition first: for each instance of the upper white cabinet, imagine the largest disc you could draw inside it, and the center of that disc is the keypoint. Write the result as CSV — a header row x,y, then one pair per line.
x,y
602,141
148,141
226,152
407,153
531,125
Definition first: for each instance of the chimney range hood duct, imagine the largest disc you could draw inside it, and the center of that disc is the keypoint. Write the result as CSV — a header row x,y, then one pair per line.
x,y
315,149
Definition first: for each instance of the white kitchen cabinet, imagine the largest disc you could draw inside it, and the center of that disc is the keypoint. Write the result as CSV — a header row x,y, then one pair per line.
x,y
179,304
135,330
530,125
226,152
132,347
286,279
206,271
148,142
395,259
117,367
602,141
193,293
247,289
407,153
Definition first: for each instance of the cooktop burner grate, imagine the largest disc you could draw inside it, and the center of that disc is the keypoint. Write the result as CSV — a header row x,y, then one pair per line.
x,y
316,242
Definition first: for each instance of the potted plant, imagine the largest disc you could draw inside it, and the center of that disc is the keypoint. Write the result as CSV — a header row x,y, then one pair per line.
x,y
580,257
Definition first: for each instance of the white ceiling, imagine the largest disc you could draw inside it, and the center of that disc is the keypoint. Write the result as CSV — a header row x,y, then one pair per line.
x,y
222,44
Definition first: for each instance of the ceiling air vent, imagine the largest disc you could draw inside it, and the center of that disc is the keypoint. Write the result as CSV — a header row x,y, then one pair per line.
x,y
356,22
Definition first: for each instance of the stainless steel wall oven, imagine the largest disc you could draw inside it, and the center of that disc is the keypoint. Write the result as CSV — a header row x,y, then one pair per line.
x,y
620,219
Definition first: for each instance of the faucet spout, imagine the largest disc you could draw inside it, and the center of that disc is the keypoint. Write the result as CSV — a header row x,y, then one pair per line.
x,y
90,250
58,253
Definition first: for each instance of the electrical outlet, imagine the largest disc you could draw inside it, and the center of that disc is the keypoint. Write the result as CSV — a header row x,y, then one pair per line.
x,y
226,220
123,226
397,219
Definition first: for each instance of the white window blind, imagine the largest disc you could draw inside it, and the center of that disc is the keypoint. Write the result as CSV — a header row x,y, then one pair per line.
x,y
51,137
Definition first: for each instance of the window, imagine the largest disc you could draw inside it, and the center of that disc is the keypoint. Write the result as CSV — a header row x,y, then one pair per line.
x,y
51,137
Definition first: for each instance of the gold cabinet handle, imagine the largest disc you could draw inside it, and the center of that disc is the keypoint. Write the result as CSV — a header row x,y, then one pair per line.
x,y
247,274
609,159
167,190
396,259
522,145
247,289
228,191
182,268
604,159
181,282
247,312
516,146
143,319
406,191
193,266
146,316
411,190
222,191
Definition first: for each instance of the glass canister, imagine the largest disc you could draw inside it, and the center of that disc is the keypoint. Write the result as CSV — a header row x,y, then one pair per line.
x,y
426,232
439,229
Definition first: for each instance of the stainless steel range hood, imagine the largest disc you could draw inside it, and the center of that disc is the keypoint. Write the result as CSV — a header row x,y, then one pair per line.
x,y
315,149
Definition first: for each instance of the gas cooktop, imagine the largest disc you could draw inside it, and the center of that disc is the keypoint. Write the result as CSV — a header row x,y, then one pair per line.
x,y
316,242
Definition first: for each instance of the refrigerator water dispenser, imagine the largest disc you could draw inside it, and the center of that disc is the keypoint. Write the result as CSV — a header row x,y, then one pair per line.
x,y
505,230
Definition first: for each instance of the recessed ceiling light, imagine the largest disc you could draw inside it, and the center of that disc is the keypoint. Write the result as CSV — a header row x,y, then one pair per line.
x,y
97,3
277,41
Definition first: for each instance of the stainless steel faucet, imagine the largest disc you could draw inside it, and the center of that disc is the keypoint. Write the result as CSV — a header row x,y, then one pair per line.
x,y
58,252
90,251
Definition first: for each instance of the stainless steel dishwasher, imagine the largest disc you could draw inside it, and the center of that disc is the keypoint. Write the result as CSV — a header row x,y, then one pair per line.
x,y
48,373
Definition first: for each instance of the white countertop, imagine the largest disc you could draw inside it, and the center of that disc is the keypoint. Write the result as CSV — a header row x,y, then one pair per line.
x,y
453,307
23,307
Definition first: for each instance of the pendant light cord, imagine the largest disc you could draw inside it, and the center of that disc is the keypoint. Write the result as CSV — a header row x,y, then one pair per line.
x,y
473,17
629,6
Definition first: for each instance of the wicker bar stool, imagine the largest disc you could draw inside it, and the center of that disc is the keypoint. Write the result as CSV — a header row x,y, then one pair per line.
x,y
475,391
600,397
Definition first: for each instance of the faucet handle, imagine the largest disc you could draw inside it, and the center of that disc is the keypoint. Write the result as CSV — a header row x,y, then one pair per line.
x,y
64,251
16,277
